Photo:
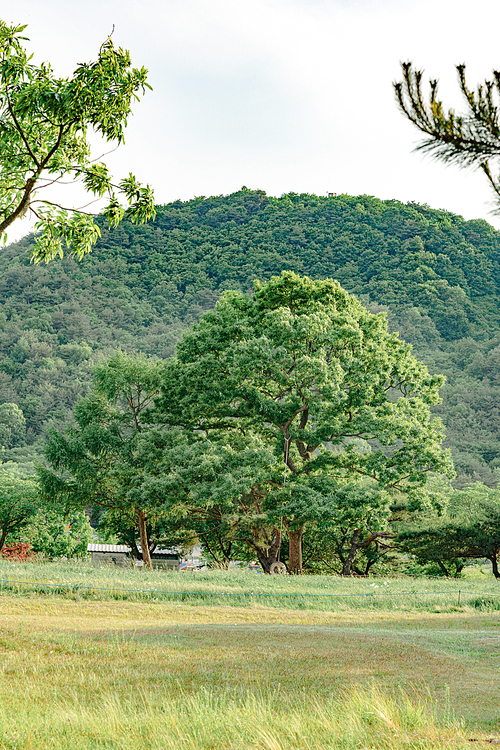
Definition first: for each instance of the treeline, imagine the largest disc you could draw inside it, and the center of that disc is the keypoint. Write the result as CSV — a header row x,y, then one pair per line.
x,y
292,427
287,414
436,275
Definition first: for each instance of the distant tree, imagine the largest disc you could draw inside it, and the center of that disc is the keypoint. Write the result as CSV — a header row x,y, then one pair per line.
x,y
470,529
44,126
358,524
471,139
12,425
19,502
325,550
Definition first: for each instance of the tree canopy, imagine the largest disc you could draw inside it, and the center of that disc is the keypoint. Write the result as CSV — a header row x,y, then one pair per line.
x,y
302,368
100,460
469,529
44,126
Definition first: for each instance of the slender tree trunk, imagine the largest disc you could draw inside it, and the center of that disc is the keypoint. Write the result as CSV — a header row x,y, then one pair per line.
x,y
346,569
295,550
458,569
494,566
143,533
443,568
3,537
223,559
226,554
366,571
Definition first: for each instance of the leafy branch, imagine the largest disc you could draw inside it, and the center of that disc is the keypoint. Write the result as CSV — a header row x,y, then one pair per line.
x,y
471,139
44,125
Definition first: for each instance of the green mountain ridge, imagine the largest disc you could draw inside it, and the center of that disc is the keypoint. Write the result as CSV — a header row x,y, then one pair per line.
x,y
436,275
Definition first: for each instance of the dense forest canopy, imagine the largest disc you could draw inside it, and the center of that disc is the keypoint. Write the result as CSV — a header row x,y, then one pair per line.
x,y
436,275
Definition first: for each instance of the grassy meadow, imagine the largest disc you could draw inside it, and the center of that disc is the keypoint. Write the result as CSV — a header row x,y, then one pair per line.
x,y
246,588
102,667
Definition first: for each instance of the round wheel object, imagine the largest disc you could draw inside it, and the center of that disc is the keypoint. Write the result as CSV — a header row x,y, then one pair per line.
x,y
278,569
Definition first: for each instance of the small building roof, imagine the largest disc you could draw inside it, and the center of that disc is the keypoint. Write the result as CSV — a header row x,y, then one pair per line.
x,y
107,548
126,548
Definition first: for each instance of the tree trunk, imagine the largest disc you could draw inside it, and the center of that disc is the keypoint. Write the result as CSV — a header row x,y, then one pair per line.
x,y
3,537
443,568
295,550
366,572
223,558
494,566
346,570
458,569
357,545
268,555
146,557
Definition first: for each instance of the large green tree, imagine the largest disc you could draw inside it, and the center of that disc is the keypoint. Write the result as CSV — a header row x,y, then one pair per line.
x,y
45,124
470,139
302,368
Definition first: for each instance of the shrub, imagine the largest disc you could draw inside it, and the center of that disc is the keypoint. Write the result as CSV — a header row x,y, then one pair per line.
x,y
19,551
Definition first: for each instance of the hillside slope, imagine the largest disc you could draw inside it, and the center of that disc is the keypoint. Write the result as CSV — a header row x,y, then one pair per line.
x,y
437,276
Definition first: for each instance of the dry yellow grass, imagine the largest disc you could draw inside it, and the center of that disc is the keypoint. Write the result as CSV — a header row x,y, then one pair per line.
x,y
87,649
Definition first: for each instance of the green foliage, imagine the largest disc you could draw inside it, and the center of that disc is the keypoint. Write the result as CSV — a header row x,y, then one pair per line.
x,y
44,127
12,426
303,371
19,502
470,529
143,285
101,460
209,486
25,519
326,548
55,535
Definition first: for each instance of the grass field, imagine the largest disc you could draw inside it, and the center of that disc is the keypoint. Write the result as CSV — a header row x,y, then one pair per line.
x,y
245,588
106,670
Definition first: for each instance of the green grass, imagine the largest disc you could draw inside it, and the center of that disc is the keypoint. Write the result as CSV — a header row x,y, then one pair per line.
x,y
265,673
364,719
237,587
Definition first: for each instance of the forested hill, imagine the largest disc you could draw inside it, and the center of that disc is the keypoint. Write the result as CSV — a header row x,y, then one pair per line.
x,y
436,274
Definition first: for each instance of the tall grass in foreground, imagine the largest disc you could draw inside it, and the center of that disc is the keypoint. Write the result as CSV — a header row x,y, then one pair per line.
x,y
243,587
365,718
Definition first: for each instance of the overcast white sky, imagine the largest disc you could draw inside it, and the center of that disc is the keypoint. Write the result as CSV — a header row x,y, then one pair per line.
x,y
280,95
